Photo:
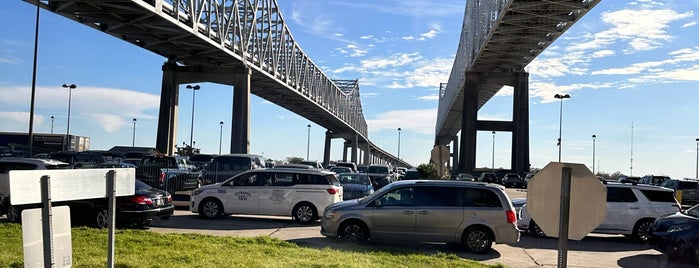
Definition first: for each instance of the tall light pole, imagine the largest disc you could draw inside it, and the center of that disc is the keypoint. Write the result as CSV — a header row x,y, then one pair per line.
x,y
220,136
191,131
493,163
308,145
697,174
399,143
593,153
560,122
52,118
70,88
133,140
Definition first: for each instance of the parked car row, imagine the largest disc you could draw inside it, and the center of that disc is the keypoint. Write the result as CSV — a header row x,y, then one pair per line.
x,y
508,180
630,210
147,203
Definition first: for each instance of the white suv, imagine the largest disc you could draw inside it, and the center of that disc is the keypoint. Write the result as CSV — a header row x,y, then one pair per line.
x,y
631,210
300,193
14,163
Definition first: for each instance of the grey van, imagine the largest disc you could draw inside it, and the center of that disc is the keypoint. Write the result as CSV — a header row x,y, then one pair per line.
x,y
471,213
225,166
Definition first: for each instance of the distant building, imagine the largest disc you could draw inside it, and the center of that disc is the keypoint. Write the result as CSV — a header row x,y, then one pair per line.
x,y
42,143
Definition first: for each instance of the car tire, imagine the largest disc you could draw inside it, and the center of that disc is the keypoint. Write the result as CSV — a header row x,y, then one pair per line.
x,y
353,231
477,240
535,230
14,214
640,230
101,218
211,209
304,213
693,253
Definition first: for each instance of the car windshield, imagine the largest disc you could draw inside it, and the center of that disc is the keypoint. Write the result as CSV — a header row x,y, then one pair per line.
x,y
693,211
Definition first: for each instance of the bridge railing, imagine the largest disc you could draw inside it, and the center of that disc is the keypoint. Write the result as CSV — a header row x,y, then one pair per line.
x,y
480,18
256,34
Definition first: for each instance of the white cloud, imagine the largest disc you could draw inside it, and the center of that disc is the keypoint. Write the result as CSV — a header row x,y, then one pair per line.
x,y
102,106
602,53
419,121
429,97
689,24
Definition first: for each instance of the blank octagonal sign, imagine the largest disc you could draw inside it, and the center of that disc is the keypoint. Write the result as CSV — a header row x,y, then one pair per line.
x,y
588,199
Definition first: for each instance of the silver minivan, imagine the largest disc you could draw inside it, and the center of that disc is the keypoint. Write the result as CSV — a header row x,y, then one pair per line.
x,y
473,214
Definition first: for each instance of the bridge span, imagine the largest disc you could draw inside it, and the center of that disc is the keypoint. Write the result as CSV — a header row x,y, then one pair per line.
x,y
498,39
241,43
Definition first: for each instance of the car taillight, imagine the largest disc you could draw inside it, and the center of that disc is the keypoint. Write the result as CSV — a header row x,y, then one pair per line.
x,y
511,217
332,191
141,200
169,198
162,177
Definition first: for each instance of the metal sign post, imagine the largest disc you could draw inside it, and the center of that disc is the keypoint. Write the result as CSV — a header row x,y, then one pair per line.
x,y
564,219
47,223
111,211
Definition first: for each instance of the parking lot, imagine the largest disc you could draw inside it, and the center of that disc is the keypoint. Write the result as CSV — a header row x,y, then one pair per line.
x,y
593,251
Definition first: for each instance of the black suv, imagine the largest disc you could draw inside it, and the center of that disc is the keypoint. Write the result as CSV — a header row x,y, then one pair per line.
x,y
686,191
488,177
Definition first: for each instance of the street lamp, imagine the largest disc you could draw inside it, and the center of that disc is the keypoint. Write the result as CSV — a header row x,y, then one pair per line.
x,y
52,124
220,137
70,95
560,122
308,145
133,140
399,143
191,131
593,153
697,174
493,163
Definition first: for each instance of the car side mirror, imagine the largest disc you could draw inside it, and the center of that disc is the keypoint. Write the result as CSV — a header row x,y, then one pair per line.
x,y
377,203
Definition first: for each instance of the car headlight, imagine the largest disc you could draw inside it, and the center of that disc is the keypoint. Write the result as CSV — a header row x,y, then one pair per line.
x,y
197,191
329,214
679,227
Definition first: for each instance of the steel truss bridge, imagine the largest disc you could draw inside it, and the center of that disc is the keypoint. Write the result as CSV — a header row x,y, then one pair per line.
x,y
243,43
498,39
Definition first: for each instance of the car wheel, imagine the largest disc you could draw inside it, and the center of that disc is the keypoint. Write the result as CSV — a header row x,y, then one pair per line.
x,y
304,213
353,231
477,240
535,230
640,231
102,218
211,209
14,214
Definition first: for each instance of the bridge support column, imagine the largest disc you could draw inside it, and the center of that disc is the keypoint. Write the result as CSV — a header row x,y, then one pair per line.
x,y
367,154
520,132
345,145
469,123
326,150
355,144
167,117
240,126
455,152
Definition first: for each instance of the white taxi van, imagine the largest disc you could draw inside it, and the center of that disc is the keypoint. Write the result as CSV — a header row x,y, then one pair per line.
x,y
302,194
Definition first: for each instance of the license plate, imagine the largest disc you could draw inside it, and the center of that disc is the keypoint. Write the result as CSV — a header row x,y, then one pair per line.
x,y
158,202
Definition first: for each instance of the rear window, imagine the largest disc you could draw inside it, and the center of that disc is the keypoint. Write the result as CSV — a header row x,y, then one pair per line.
x,y
232,163
377,169
619,194
200,158
659,196
480,198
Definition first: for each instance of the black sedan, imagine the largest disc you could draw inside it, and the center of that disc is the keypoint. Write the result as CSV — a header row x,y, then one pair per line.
x,y
147,204
677,235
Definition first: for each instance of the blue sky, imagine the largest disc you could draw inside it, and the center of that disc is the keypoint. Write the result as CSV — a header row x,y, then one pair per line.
x,y
624,63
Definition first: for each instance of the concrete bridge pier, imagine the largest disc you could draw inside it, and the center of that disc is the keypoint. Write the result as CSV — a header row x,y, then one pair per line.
x,y
519,126
174,75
